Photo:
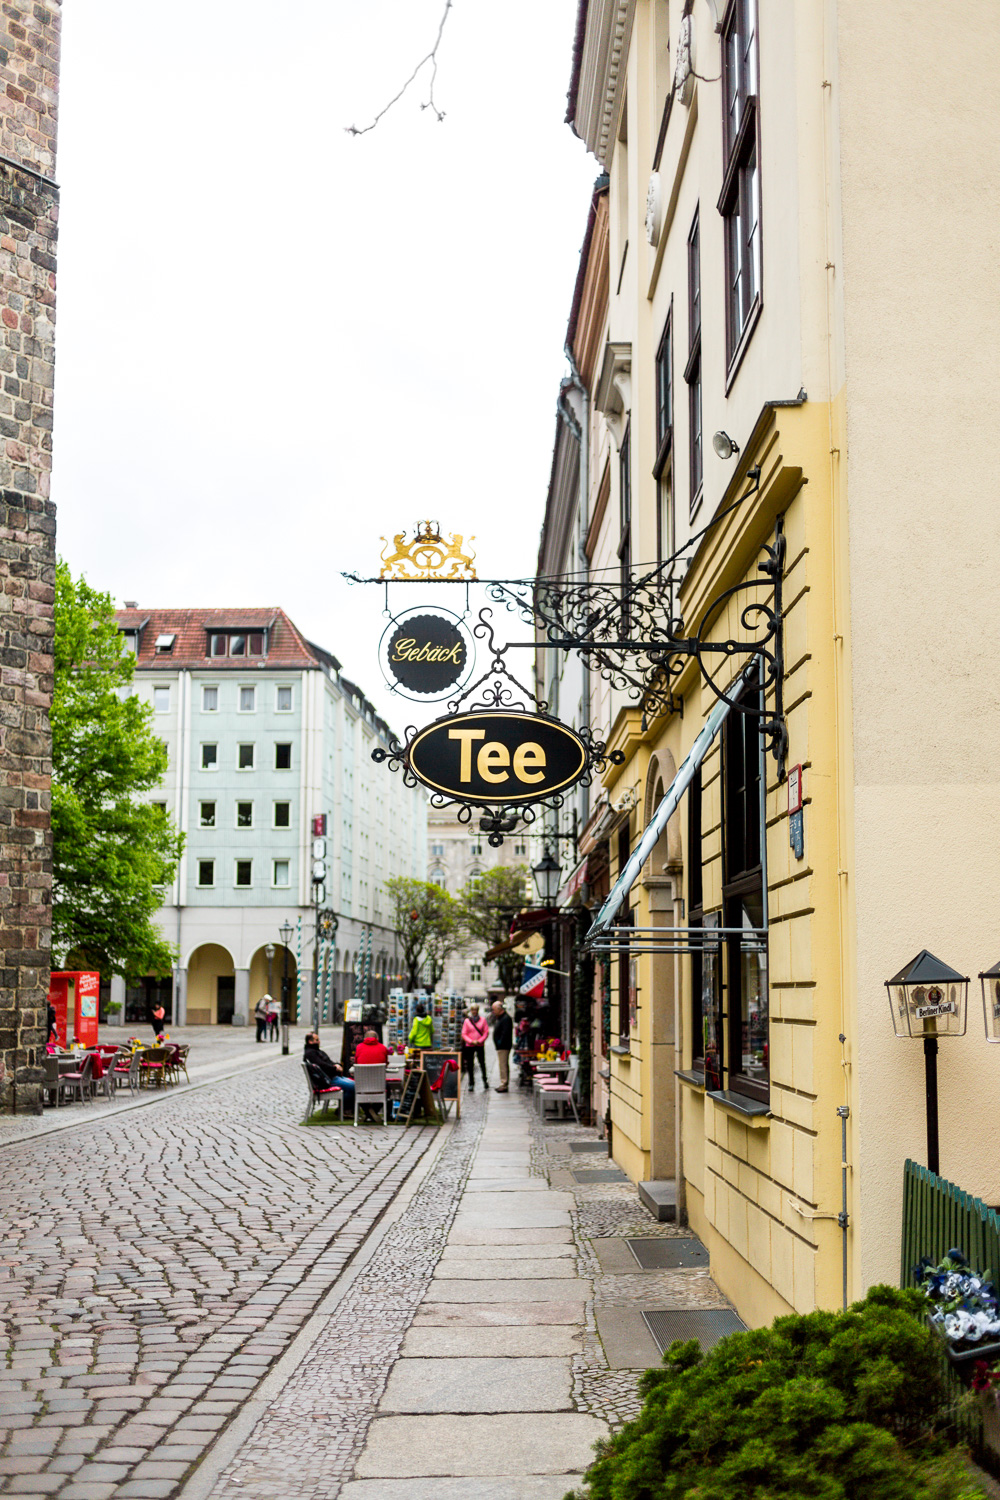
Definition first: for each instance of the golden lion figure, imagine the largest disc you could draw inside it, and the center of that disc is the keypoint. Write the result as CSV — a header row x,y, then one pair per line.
x,y
425,558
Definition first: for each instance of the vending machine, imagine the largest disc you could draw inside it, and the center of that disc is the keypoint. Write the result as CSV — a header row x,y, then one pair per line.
x,y
75,996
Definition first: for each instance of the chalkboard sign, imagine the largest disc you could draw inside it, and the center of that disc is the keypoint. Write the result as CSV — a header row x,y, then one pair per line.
x,y
434,1064
413,1090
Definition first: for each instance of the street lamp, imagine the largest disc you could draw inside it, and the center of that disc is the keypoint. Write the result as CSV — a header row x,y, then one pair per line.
x,y
285,932
929,1000
547,873
269,950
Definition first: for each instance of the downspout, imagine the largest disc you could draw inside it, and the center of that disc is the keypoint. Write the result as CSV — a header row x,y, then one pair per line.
x,y
582,434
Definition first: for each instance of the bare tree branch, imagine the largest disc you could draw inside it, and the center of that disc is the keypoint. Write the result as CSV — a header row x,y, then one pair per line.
x,y
429,101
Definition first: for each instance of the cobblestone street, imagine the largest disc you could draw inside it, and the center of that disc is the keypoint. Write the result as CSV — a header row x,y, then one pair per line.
x,y
156,1265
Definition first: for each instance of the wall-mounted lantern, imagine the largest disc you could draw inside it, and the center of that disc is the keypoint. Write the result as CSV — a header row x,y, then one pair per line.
x,y
928,999
990,981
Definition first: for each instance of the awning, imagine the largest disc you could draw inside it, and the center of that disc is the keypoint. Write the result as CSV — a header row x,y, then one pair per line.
x,y
574,883
667,808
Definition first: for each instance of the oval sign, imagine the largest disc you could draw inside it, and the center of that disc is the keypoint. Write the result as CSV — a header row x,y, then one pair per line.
x,y
497,757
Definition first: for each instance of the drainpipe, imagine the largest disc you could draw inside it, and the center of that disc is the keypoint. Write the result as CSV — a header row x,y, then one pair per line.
x,y
582,434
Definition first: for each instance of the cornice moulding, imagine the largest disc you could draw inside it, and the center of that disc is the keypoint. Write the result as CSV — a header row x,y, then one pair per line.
x,y
601,89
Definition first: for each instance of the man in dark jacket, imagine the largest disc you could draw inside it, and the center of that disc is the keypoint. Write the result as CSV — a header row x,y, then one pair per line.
x,y
331,1072
503,1040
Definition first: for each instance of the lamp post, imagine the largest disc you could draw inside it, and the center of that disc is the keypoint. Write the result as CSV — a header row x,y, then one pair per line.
x,y
285,932
928,999
269,950
546,874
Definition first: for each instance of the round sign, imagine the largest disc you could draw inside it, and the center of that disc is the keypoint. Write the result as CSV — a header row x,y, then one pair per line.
x,y
426,654
496,757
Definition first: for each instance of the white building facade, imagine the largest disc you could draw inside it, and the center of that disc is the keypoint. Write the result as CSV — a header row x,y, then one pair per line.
x,y
264,735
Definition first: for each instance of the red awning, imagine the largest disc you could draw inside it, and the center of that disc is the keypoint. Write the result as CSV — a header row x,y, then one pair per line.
x,y
574,883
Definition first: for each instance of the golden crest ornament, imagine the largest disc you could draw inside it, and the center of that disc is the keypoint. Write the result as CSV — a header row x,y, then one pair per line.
x,y
428,558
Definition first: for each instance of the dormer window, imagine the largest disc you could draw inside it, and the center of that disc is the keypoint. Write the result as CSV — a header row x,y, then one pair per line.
x,y
131,639
236,643
164,644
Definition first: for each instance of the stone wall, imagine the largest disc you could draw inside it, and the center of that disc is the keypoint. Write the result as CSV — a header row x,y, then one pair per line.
x,y
29,55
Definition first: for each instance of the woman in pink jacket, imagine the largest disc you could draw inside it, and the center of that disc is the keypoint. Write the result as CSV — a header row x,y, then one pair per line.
x,y
475,1030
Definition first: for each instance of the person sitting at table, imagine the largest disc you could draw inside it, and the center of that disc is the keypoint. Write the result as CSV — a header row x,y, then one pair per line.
x,y
330,1072
371,1050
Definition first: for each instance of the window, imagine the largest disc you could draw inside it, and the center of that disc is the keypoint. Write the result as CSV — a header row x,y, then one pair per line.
x,y
437,877
209,757
236,643
279,872
210,700
282,815
706,1018
692,373
739,202
625,960
244,757
165,644
520,848
476,973
663,467
161,807
131,638
244,872
248,700
161,700
477,848
206,872
206,816
744,898
437,851
282,757
284,700
244,814
625,528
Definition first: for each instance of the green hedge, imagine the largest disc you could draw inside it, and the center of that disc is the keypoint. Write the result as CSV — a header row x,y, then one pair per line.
x,y
829,1406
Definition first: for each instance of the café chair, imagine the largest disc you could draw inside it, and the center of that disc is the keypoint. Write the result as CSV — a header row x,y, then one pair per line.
x,y
560,1094
369,1088
50,1083
78,1083
320,1090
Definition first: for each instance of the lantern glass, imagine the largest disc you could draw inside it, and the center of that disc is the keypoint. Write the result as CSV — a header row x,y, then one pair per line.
x,y
929,999
990,982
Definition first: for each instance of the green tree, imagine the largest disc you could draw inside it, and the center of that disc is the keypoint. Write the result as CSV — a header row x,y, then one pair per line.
x,y
488,904
425,920
113,853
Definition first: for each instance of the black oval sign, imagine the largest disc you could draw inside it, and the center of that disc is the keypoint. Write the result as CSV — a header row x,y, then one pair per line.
x,y
497,757
426,654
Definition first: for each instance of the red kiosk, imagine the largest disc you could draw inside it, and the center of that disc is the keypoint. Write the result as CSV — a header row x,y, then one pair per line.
x,y
75,996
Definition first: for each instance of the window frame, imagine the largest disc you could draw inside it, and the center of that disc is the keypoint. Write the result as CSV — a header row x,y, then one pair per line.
x,y
281,802
279,688
744,834
693,372
210,745
276,884
213,804
283,745
250,745
740,199
624,547
252,690
158,689
206,885
663,468
238,884
238,805
209,688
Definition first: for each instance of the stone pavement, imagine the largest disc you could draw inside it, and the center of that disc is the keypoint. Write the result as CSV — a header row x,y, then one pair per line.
x,y
156,1265
487,1334
216,1052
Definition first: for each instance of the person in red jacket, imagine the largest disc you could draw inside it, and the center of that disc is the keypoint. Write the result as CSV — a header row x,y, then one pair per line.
x,y
475,1030
371,1050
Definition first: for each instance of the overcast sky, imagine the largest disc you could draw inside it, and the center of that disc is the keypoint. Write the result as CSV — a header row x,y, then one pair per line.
x,y
275,341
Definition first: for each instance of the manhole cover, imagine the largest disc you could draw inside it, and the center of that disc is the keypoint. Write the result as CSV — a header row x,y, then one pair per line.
x,y
708,1327
669,1255
600,1174
601,1146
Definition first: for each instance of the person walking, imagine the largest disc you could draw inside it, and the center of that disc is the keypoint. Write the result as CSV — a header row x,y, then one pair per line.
x,y
260,1016
475,1030
422,1031
158,1021
503,1040
272,1020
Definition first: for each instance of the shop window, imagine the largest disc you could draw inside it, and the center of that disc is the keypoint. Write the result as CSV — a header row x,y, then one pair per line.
x,y
739,202
744,900
692,373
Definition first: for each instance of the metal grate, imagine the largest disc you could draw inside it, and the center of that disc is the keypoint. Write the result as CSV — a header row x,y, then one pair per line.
x,y
601,1146
601,1174
708,1326
681,1254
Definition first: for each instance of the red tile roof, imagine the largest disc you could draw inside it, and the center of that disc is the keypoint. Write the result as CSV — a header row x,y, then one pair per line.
x,y
286,646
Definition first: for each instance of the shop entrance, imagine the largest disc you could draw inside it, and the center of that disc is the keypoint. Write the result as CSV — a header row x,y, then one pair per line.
x,y
225,999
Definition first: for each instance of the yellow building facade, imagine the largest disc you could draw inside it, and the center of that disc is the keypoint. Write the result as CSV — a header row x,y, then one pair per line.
x,y
773,279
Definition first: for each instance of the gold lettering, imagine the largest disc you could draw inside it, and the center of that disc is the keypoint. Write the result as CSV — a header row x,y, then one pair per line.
x,y
493,754
402,651
408,650
525,758
465,737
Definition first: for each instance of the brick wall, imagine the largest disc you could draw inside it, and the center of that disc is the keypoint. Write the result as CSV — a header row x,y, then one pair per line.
x,y
29,57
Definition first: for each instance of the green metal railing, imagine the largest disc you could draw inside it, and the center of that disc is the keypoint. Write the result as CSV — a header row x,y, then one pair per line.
x,y
938,1217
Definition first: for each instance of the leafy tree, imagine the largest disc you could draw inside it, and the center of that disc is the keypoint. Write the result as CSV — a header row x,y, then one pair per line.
x,y
826,1406
488,905
113,853
425,920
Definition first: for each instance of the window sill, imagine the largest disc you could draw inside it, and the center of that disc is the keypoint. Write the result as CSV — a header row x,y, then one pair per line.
x,y
693,1080
621,1051
753,1112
